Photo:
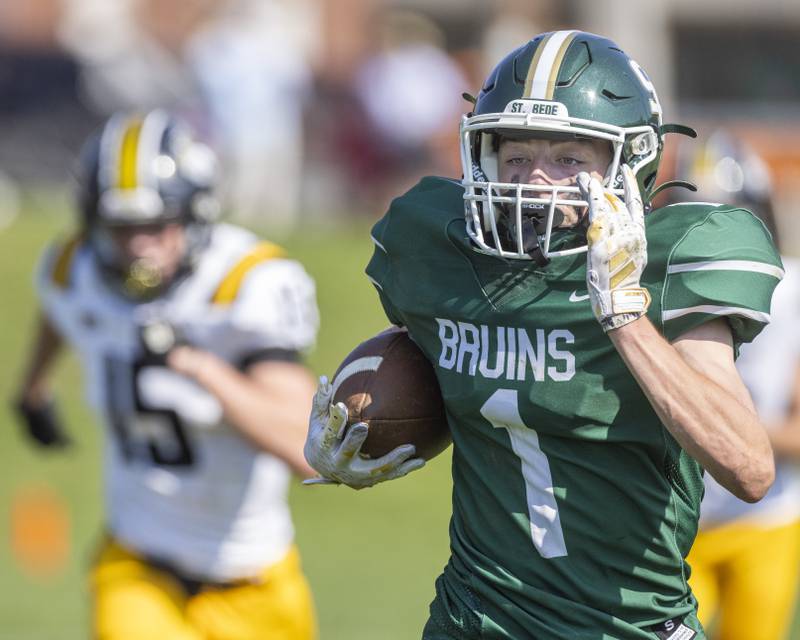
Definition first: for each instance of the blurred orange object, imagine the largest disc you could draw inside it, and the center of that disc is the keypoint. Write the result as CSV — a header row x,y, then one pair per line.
x,y
40,531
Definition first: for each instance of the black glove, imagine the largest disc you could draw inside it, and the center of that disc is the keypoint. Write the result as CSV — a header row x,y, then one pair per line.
x,y
43,424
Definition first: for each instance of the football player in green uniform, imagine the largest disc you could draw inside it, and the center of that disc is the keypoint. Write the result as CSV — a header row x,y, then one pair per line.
x,y
585,348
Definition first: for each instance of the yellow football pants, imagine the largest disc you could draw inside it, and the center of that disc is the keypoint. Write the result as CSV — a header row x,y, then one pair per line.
x,y
745,579
134,601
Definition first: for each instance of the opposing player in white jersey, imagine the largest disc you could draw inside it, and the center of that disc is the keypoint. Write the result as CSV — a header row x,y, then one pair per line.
x,y
191,334
746,556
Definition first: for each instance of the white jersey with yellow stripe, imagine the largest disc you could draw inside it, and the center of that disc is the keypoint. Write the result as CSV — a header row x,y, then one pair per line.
x,y
768,366
182,485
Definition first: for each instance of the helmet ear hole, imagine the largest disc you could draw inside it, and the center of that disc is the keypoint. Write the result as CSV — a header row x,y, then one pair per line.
x,y
206,208
641,144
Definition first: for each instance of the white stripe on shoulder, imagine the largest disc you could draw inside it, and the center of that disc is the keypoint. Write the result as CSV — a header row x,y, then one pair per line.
x,y
716,310
370,363
728,265
377,243
375,282
685,202
542,72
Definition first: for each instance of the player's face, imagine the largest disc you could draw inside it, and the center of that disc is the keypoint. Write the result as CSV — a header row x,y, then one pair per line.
x,y
157,247
553,162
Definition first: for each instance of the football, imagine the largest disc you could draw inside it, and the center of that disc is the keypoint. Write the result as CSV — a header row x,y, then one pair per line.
x,y
388,383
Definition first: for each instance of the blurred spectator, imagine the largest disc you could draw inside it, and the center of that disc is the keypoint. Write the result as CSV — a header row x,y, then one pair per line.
x,y
411,88
744,560
123,65
42,119
252,65
396,116
238,68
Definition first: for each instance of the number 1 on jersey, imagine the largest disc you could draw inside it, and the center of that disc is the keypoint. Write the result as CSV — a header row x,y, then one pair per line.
x,y
502,411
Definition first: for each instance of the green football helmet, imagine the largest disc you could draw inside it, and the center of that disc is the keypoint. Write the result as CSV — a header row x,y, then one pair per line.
x,y
562,85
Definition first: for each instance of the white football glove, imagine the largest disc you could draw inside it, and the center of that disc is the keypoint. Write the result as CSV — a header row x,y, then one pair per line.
x,y
617,252
333,449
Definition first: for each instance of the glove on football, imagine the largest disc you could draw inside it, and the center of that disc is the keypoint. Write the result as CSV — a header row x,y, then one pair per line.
x,y
41,422
333,449
617,251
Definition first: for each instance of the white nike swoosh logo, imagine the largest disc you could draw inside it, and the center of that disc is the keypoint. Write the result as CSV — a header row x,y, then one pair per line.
x,y
574,297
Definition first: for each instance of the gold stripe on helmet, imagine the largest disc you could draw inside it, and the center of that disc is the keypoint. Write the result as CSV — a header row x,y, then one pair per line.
x,y
228,289
562,51
540,81
537,56
128,156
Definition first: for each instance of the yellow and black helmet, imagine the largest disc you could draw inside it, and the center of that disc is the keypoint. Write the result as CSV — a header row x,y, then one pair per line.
x,y
146,169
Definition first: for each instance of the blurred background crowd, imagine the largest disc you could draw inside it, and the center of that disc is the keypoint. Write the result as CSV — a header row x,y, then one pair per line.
x,y
326,108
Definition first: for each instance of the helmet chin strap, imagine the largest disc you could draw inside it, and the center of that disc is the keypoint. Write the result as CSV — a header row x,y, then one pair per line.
x,y
534,225
530,240
532,228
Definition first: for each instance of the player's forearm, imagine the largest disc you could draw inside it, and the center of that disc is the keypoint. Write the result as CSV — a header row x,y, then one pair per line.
x,y
47,345
273,415
708,421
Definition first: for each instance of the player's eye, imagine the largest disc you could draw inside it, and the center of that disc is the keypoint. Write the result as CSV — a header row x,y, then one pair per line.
x,y
570,161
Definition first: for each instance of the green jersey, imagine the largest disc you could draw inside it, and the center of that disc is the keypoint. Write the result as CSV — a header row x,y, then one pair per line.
x,y
573,506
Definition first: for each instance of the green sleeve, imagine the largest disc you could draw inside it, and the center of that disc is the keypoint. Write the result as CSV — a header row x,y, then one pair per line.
x,y
411,243
725,265
379,272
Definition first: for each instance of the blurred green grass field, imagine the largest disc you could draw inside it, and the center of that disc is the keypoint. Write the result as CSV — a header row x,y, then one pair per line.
x,y
371,556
